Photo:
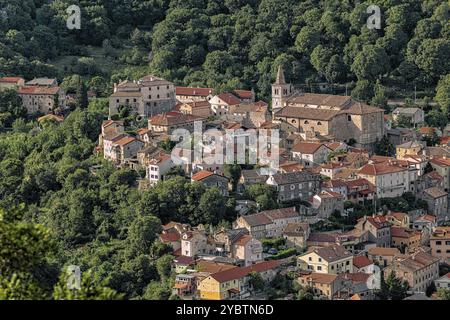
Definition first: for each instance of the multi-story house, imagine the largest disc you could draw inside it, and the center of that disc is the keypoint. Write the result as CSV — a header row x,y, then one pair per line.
x,y
379,230
121,148
411,148
295,185
250,177
197,108
221,104
43,82
147,97
234,283
310,154
437,200
419,269
210,179
248,249
323,284
401,135
442,166
326,203
389,178
267,224
158,166
399,219
7,83
443,282
42,99
405,239
189,94
251,115
334,259
168,122
382,256
440,243
297,234
196,242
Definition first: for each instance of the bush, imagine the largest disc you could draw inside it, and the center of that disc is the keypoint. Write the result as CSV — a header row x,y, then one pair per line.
x,y
283,254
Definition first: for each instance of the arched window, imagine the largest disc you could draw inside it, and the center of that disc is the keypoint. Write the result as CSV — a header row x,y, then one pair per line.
x,y
306,122
293,121
319,123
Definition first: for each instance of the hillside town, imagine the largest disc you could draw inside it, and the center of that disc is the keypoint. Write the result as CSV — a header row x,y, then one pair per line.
x,y
344,222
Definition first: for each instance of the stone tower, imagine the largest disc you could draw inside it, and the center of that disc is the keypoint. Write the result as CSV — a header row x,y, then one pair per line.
x,y
280,91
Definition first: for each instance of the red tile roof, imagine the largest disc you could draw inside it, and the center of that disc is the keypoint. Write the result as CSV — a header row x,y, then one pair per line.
x,y
380,169
201,175
229,99
11,79
361,261
399,232
169,237
441,161
189,91
38,90
307,147
238,273
125,140
243,94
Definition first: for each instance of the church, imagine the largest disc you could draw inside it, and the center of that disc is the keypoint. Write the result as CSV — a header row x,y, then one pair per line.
x,y
325,117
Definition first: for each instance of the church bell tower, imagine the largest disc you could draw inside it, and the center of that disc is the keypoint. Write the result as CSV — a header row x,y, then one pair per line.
x,y
280,91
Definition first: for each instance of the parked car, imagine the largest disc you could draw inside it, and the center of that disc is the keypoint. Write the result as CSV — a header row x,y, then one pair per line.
x,y
272,251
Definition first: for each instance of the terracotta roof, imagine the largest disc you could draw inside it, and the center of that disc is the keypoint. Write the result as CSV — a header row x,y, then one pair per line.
x,y
334,145
307,147
427,130
142,131
307,113
238,273
323,278
356,277
173,118
169,237
213,267
435,192
375,169
398,215
11,79
190,91
358,183
199,104
229,98
361,261
125,140
243,94
378,222
296,229
153,81
183,260
427,217
38,90
400,232
441,161
267,217
322,237
201,175
378,251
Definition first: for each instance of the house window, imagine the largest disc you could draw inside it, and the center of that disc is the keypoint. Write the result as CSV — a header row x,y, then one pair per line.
x,y
349,118
306,122
319,268
319,123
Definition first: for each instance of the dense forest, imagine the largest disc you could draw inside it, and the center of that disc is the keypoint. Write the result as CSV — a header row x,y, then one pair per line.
x,y
233,43
61,204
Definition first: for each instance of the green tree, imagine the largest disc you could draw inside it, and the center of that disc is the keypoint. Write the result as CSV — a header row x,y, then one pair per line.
x,y
443,94
232,172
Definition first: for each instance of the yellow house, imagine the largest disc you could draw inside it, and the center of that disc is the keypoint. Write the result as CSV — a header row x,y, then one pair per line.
x,y
333,259
405,239
408,148
232,282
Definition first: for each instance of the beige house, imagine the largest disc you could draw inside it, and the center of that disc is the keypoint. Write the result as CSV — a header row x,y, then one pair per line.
x,y
382,256
267,224
409,148
248,249
322,284
310,154
221,104
419,269
440,243
405,239
168,122
333,259
147,97
297,234
379,230
326,203
14,83
190,94
399,219
389,178
197,108
442,166
339,117
121,148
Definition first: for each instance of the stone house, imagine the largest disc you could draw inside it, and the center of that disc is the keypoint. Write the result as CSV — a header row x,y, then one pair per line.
x,y
405,239
167,123
295,185
197,108
7,83
326,203
221,104
437,200
442,166
416,115
379,229
42,99
210,180
189,94
296,235
382,256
